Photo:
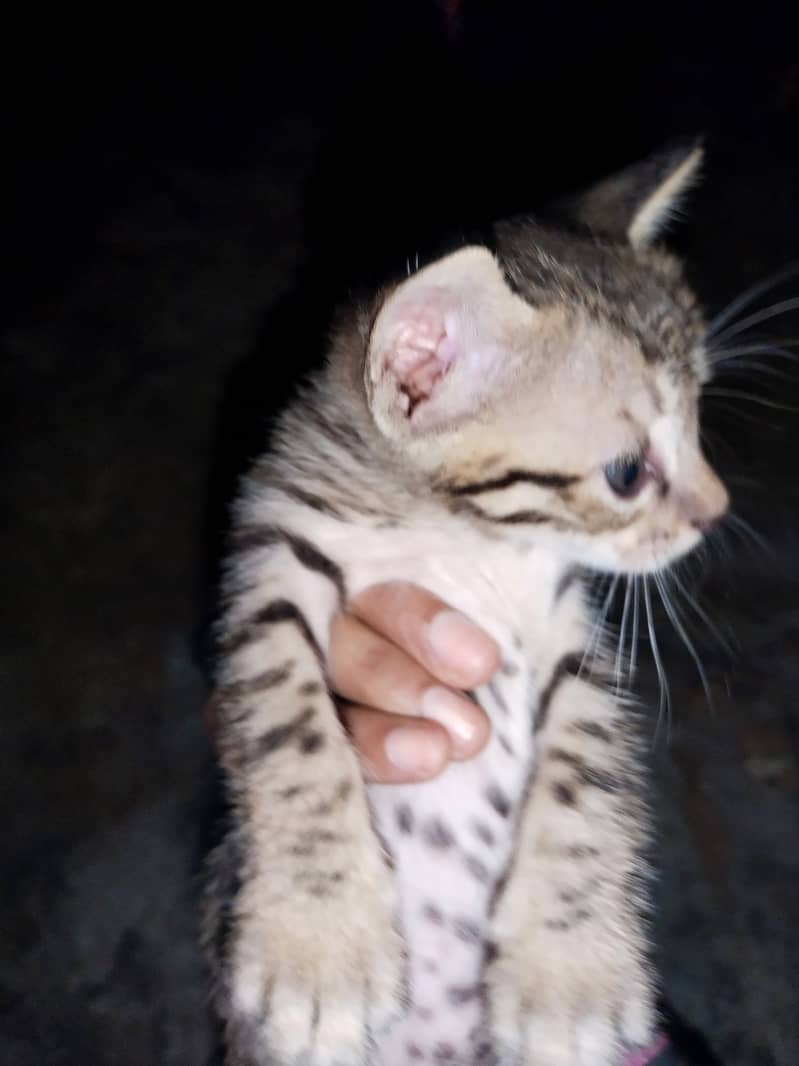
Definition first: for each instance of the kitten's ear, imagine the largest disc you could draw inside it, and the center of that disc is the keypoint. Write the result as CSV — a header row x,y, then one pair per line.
x,y
440,343
637,203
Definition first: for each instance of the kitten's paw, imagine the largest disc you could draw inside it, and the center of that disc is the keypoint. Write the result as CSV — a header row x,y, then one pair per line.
x,y
315,1002
583,1023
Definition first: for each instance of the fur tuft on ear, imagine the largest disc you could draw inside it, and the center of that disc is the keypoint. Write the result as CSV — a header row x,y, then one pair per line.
x,y
637,203
439,344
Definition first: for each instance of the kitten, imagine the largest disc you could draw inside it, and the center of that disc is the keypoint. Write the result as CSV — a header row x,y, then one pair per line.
x,y
487,428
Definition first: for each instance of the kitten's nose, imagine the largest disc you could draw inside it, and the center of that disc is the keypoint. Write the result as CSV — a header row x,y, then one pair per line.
x,y
707,525
709,501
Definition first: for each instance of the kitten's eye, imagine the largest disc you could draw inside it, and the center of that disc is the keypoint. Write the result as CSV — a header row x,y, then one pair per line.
x,y
626,476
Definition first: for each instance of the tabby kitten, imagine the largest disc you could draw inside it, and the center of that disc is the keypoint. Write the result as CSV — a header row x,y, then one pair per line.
x,y
487,428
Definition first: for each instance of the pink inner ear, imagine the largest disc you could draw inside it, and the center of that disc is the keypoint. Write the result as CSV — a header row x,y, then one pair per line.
x,y
421,352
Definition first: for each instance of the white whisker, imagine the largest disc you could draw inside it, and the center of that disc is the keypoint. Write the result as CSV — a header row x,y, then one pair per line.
x,y
735,394
749,295
634,634
722,356
733,409
724,643
682,633
744,529
665,694
622,635
598,631
781,308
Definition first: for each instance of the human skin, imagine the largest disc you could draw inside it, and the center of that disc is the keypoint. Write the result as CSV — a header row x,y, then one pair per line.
x,y
401,662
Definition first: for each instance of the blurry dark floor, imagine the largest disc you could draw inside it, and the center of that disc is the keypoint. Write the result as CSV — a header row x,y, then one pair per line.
x,y
147,265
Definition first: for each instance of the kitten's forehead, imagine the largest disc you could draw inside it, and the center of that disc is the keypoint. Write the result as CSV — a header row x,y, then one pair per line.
x,y
635,293
594,396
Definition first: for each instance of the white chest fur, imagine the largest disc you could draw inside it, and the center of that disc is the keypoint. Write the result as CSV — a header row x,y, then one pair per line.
x,y
452,839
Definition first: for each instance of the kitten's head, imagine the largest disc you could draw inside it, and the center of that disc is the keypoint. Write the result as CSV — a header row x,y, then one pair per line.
x,y
551,385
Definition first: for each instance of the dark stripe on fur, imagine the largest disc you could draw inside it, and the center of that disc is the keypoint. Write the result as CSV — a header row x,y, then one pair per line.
x,y
275,612
497,696
260,683
519,518
279,735
594,729
567,579
307,554
567,666
310,499
543,480
586,774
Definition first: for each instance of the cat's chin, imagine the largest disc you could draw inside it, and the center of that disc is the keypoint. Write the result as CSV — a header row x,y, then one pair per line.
x,y
643,561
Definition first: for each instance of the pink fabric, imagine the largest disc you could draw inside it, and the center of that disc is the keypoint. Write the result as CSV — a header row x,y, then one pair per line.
x,y
647,1055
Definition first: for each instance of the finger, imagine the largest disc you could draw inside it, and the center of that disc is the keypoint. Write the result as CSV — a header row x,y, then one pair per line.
x,y
396,749
443,641
366,669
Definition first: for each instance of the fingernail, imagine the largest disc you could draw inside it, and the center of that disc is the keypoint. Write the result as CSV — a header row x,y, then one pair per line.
x,y
456,714
459,643
415,751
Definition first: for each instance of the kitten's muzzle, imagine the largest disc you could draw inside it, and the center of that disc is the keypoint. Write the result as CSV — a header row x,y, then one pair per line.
x,y
709,502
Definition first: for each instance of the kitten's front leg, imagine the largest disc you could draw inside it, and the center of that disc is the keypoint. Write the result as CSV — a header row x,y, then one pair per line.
x,y
310,967
569,984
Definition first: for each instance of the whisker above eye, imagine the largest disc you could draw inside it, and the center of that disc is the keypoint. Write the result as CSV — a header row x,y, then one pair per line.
x,y
733,394
749,295
720,356
745,530
780,308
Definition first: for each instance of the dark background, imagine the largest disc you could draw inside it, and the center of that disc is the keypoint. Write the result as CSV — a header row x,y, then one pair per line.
x,y
189,202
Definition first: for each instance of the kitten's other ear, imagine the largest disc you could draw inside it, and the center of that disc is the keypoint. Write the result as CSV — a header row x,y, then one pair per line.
x,y
439,344
637,203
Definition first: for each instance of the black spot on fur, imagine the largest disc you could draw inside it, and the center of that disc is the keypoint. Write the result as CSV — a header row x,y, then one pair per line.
x,y
467,930
437,835
414,1052
458,994
311,743
582,851
482,832
477,868
432,914
498,801
563,925
404,818
444,1052
564,794
344,791
309,688
505,744
497,696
